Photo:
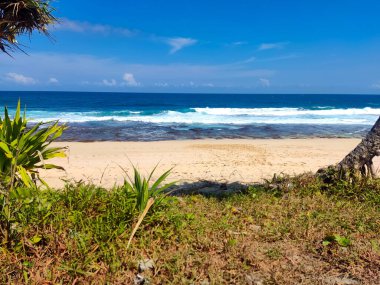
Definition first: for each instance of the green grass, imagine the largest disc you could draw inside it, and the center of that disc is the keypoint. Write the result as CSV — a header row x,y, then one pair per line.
x,y
288,231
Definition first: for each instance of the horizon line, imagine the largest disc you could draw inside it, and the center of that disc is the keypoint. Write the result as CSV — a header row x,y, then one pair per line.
x,y
190,93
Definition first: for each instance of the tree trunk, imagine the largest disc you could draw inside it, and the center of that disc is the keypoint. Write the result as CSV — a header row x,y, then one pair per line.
x,y
359,161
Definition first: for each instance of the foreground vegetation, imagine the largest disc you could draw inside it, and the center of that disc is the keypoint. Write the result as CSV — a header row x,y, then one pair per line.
x,y
288,231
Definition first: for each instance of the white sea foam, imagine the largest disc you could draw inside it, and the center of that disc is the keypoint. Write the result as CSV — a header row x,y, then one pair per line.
x,y
286,111
233,116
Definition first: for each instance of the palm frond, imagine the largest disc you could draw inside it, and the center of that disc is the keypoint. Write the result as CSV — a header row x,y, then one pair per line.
x,y
22,17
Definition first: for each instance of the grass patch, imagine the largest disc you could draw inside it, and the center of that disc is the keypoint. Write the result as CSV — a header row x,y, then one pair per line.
x,y
288,231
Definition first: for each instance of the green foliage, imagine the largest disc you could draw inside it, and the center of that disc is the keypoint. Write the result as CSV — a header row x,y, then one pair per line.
x,y
366,190
142,188
340,240
88,214
85,218
80,234
22,17
23,150
274,253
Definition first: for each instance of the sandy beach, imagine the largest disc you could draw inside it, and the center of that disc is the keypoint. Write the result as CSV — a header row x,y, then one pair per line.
x,y
216,160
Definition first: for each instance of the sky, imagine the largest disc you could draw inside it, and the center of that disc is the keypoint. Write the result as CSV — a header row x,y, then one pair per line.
x,y
199,46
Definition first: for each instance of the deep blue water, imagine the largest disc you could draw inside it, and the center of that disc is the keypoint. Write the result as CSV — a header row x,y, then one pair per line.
x,y
138,116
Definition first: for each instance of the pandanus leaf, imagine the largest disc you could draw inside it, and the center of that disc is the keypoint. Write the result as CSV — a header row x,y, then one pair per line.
x,y
27,148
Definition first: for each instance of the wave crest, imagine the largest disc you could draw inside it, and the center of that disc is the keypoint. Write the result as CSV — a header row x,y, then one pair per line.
x,y
214,116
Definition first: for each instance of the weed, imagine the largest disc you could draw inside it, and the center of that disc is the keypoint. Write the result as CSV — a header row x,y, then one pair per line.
x,y
140,186
339,240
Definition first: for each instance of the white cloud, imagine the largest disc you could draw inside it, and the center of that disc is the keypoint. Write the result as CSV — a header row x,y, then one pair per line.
x,y
268,59
236,44
277,58
161,84
180,43
129,80
267,46
20,79
109,83
376,86
248,60
264,82
193,84
86,27
239,43
85,72
53,80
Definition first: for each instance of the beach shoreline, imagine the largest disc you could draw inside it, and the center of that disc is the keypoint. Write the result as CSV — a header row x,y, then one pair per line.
x,y
222,160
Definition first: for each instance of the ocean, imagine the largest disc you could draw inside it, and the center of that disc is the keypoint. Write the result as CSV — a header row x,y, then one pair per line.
x,y
167,116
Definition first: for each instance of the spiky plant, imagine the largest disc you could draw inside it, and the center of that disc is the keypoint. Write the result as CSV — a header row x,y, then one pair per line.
x,y
22,17
143,189
24,150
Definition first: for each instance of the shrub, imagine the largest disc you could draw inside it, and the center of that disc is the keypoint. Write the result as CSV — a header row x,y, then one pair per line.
x,y
24,151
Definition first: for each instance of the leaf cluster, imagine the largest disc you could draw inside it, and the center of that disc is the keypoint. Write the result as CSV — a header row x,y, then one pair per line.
x,y
18,17
144,190
23,150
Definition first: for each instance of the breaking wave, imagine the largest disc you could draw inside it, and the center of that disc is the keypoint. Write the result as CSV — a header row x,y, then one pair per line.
x,y
215,116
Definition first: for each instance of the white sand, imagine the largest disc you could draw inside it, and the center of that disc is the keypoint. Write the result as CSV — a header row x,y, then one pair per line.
x,y
217,160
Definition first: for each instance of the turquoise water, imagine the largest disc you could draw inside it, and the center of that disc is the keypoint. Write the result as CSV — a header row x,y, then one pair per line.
x,y
137,116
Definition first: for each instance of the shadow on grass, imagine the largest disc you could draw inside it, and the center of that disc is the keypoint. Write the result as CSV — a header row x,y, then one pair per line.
x,y
278,185
365,190
209,189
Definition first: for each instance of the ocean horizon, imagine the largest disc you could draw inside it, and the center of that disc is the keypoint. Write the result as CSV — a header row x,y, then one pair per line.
x,y
95,116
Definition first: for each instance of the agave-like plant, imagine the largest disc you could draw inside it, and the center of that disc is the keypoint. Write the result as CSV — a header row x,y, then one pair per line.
x,y
144,190
146,194
23,150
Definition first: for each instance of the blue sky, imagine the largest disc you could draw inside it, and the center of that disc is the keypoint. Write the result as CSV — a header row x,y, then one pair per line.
x,y
271,46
